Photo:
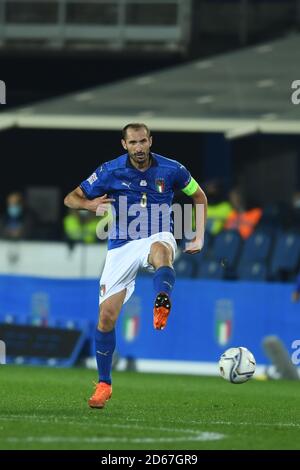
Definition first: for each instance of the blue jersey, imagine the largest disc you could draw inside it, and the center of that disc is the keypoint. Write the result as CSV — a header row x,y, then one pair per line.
x,y
144,191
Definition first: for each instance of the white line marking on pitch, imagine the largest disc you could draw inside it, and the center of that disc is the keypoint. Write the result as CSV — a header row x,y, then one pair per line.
x,y
225,423
198,436
89,423
233,423
189,434
56,419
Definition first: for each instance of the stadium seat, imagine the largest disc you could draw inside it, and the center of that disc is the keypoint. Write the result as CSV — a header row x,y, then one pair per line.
x,y
185,265
286,256
256,248
210,270
274,216
227,247
252,271
198,258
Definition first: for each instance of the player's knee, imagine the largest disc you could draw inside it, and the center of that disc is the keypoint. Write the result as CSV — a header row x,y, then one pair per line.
x,y
107,319
161,254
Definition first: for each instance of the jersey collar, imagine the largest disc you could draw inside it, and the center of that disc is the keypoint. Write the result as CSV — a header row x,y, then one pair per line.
x,y
153,160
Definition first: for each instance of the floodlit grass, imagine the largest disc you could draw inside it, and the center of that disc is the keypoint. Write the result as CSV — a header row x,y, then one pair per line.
x,y
43,408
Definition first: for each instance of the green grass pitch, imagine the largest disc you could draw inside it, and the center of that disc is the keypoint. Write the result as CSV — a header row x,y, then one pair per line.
x,y
43,408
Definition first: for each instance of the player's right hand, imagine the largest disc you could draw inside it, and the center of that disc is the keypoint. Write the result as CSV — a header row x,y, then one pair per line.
x,y
99,204
193,247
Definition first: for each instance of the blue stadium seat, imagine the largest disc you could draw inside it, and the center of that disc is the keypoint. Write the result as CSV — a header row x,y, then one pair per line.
x,y
257,247
227,247
275,215
185,265
203,254
252,271
286,256
210,270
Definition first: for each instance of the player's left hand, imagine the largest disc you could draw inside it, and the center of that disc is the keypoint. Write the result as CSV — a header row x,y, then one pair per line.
x,y
102,208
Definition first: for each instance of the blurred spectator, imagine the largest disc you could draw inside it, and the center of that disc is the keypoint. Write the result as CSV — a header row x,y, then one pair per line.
x,y
18,222
241,218
218,208
80,226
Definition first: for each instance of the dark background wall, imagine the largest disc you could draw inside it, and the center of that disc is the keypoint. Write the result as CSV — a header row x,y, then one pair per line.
x,y
64,158
34,76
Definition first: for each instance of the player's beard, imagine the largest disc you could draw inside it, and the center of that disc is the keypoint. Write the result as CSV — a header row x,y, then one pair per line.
x,y
140,158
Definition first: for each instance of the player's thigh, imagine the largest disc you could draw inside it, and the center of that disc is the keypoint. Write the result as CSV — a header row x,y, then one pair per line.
x,y
111,307
119,272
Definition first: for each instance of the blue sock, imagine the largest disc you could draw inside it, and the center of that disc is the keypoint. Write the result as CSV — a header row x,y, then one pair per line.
x,y
164,280
105,346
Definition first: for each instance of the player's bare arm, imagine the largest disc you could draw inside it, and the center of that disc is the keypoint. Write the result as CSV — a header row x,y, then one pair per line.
x,y
196,244
77,200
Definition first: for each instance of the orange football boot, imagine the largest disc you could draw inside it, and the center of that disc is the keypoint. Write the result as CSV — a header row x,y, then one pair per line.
x,y
161,311
101,395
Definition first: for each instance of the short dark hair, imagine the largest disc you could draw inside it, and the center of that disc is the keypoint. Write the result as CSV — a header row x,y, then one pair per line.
x,y
136,126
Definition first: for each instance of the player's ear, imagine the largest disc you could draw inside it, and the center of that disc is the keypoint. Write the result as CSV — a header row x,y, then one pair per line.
x,y
150,139
124,144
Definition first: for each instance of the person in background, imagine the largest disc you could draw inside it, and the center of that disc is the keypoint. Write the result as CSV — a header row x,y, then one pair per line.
x,y
17,222
241,218
218,208
80,226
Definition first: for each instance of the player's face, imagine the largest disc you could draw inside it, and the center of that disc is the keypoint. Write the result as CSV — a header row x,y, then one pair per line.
x,y
137,144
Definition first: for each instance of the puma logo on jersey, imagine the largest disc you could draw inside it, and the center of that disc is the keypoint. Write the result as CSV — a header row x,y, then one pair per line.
x,y
126,184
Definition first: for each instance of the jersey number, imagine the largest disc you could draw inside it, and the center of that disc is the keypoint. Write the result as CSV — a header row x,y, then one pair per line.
x,y
144,200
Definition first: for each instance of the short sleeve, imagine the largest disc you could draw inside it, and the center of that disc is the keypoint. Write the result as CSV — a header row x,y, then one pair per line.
x,y
96,184
182,177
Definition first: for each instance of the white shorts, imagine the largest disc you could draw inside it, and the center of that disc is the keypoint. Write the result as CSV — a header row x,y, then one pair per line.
x,y
122,264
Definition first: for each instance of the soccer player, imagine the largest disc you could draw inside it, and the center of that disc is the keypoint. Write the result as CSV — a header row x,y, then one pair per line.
x,y
145,179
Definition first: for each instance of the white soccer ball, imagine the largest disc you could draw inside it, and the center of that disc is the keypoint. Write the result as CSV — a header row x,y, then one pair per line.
x,y
237,365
